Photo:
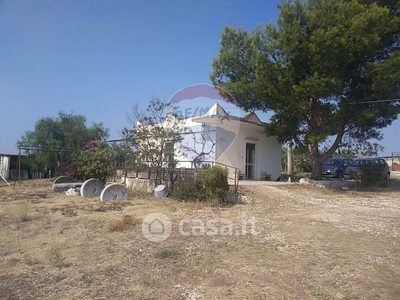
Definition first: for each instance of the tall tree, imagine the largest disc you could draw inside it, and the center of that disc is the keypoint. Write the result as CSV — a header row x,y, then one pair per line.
x,y
55,139
324,70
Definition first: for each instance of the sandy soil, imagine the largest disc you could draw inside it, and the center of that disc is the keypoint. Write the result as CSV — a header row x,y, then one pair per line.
x,y
307,243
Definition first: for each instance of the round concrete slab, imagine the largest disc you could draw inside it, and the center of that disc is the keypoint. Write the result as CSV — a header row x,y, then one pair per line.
x,y
59,187
114,191
60,179
91,188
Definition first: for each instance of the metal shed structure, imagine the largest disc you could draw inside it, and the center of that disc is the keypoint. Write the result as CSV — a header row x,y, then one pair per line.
x,y
9,167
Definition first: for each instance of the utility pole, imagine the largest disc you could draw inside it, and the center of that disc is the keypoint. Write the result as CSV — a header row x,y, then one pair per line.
x,y
289,161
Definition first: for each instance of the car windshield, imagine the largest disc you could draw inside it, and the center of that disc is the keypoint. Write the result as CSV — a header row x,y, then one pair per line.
x,y
332,162
361,162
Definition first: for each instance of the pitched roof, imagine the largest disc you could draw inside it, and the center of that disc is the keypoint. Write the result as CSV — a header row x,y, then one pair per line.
x,y
246,114
218,114
252,117
216,110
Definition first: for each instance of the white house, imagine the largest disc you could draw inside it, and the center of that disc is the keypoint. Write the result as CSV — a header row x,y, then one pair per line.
x,y
238,142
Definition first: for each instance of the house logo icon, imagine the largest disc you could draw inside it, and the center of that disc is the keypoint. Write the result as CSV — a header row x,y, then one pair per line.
x,y
195,100
156,227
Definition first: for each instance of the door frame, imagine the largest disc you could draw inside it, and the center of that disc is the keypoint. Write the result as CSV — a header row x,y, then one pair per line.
x,y
250,161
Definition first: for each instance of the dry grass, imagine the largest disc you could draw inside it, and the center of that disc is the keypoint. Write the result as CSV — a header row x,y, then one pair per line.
x,y
55,257
311,243
21,211
125,223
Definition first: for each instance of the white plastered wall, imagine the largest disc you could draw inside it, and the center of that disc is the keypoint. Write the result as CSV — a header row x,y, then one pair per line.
x,y
185,157
267,149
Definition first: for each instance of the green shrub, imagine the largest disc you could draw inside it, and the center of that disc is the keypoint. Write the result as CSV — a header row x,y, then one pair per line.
x,y
216,182
205,166
95,160
189,189
209,185
366,176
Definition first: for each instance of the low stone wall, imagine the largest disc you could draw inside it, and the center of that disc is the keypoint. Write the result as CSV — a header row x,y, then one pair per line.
x,y
146,185
331,184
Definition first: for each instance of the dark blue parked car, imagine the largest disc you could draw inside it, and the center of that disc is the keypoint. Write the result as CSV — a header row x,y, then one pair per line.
x,y
335,167
375,167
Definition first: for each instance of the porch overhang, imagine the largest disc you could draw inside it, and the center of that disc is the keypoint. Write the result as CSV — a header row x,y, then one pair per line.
x,y
221,121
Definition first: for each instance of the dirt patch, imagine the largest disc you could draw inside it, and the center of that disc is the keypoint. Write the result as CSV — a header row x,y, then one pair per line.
x,y
308,243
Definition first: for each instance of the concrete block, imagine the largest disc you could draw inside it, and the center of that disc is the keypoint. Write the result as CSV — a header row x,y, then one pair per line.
x,y
72,192
160,191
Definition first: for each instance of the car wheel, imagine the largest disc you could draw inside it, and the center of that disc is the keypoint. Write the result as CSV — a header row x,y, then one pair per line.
x,y
387,176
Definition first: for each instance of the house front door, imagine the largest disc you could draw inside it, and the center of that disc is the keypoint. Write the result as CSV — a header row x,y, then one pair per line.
x,y
250,160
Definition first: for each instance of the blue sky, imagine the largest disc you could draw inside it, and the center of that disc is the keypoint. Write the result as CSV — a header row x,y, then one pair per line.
x,y
97,58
